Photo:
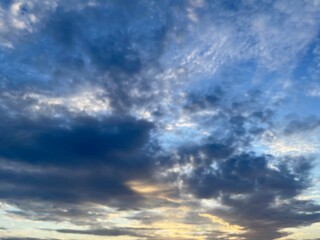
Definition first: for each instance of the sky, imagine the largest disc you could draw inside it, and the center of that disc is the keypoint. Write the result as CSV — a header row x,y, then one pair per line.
x,y
159,119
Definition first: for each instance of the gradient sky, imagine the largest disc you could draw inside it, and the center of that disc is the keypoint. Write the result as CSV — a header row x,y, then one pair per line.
x,y
159,119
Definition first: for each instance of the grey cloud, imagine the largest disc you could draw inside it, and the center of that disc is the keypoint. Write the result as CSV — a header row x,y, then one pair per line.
x,y
262,199
299,126
89,160
133,232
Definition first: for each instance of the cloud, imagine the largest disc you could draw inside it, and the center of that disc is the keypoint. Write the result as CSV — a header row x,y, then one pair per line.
x,y
23,238
124,107
262,196
89,160
297,126
107,232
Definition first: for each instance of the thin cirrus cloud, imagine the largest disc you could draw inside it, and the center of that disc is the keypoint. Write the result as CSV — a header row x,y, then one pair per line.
x,y
159,119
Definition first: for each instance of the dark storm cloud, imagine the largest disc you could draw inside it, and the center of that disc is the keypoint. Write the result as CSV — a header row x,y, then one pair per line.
x,y
245,173
86,140
89,160
261,197
96,186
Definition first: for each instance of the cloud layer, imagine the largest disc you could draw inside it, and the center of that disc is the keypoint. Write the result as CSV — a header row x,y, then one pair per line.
x,y
116,114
